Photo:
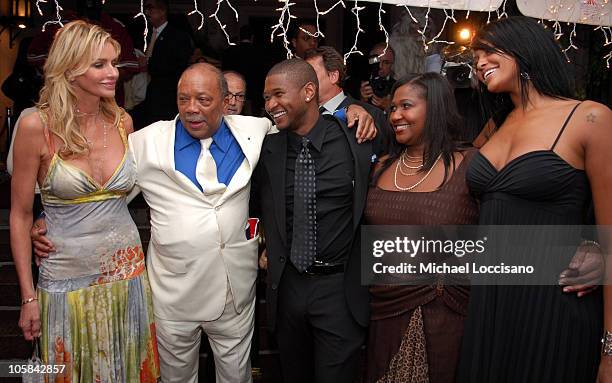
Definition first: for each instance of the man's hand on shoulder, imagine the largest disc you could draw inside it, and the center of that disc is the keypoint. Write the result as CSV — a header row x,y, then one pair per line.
x,y
366,128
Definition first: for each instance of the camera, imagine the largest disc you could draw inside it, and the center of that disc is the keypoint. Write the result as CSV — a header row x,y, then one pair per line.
x,y
380,86
459,75
456,65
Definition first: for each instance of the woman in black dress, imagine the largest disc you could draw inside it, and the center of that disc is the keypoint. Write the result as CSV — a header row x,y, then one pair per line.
x,y
547,159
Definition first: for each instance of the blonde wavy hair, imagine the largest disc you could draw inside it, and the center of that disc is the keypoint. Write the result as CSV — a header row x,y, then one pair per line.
x,y
75,47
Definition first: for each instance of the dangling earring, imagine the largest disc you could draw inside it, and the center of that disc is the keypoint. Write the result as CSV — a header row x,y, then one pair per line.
x,y
525,76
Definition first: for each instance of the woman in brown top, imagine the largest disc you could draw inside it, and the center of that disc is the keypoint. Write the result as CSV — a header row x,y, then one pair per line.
x,y
415,331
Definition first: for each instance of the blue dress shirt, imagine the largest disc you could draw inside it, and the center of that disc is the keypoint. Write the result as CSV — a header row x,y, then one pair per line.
x,y
224,149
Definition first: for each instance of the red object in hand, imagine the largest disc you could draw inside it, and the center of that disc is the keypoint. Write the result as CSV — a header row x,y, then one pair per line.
x,y
252,228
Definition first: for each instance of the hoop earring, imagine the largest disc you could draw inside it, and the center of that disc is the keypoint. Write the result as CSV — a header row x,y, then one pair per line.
x,y
525,76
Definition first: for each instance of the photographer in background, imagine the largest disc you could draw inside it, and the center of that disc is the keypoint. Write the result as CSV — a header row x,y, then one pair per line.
x,y
377,90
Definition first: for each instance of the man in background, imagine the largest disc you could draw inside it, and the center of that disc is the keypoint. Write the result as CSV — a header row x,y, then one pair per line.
x,y
166,56
302,39
236,92
237,58
377,89
328,63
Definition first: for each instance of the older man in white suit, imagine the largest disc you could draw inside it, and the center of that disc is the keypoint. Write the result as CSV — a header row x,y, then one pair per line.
x,y
194,172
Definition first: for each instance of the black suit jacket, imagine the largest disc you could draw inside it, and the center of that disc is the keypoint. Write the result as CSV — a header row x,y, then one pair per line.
x,y
268,203
168,60
385,132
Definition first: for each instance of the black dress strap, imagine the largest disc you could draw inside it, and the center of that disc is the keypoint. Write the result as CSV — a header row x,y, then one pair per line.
x,y
564,125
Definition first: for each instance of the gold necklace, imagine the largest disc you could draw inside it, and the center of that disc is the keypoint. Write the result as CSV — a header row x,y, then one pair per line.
x,y
78,112
97,165
397,167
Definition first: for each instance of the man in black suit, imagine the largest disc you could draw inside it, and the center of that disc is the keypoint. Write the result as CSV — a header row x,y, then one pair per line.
x,y
167,56
331,73
310,189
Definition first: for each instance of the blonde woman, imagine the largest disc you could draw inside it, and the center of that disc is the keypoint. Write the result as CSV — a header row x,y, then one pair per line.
x,y
92,306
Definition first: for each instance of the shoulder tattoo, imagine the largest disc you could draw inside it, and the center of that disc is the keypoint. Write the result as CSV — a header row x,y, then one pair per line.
x,y
590,117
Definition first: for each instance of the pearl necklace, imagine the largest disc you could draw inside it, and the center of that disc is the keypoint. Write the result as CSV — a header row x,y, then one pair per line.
x,y
406,160
397,168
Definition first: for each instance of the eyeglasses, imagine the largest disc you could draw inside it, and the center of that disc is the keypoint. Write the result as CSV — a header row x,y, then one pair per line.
x,y
238,96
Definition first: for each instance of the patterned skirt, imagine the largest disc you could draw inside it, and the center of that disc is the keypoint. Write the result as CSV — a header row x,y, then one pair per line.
x,y
101,333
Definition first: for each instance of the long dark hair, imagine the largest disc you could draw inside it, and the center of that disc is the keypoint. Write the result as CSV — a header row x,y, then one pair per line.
x,y
539,60
443,124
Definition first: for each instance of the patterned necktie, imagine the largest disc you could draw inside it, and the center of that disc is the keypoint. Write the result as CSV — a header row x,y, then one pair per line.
x,y
304,240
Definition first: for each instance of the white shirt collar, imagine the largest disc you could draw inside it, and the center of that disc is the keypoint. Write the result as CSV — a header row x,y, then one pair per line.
x,y
161,28
333,103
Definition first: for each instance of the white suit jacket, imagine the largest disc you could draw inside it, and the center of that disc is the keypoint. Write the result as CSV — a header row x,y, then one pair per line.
x,y
198,247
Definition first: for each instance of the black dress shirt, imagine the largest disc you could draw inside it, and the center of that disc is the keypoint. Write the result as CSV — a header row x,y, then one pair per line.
x,y
334,173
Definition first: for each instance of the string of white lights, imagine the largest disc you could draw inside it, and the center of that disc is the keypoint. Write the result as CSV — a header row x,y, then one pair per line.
x,y
146,23
409,13
58,16
40,12
557,30
422,31
607,32
503,12
382,28
340,2
448,17
283,25
319,33
607,58
197,11
355,10
571,43
215,15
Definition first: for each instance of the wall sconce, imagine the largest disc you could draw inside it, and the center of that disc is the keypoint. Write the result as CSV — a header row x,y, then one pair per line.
x,y
18,19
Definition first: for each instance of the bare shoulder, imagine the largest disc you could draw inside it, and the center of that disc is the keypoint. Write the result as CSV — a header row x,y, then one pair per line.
x,y
32,127
30,137
128,124
595,123
594,113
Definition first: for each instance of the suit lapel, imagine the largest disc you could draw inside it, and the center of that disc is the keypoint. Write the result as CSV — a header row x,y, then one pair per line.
x,y
345,103
361,161
244,171
362,154
164,145
275,162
